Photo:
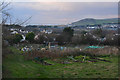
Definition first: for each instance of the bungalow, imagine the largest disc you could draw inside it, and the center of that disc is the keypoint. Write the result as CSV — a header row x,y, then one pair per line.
x,y
47,31
14,32
23,38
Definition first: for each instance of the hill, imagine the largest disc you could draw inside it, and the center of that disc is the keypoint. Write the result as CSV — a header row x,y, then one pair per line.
x,y
91,21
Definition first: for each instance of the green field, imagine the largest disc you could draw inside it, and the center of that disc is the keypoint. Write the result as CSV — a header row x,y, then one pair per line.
x,y
16,66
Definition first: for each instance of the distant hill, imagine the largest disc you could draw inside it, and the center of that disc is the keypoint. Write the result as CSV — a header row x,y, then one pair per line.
x,y
91,21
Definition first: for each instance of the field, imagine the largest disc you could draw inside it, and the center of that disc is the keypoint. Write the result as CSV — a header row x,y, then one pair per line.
x,y
59,40
16,66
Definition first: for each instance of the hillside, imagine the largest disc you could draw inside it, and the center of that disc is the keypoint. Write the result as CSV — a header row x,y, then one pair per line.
x,y
91,21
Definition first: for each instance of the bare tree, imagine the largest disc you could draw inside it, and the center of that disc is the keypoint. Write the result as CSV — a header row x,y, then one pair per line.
x,y
4,12
6,16
22,22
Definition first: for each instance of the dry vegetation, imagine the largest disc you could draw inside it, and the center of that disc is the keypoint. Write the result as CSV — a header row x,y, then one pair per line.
x,y
103,51
53,54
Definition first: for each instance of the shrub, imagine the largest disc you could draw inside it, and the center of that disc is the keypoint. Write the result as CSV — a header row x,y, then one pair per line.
x,y
51,54
14,39
79,57
17,38
102,51
30,36
76,53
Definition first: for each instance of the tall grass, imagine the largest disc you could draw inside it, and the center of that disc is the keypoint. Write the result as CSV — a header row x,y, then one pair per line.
x,y
52,54
103,51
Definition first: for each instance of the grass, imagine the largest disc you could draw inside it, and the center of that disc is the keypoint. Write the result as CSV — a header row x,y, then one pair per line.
x,y
15,50
15,66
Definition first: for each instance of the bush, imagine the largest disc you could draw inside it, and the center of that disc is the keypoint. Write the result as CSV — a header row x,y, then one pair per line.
x,y
51,54
17,38
65,36
79,57
40,39
14,39
102,51
84,39
30,36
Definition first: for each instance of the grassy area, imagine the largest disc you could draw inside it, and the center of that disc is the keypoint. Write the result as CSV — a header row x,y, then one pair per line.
x,y
15,66
15,50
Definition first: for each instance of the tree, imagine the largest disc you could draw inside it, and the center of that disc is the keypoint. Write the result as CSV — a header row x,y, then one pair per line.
x,y
61,39
76,39
68,34
99,32
88,39
68,31
4,11
30,36
84,39
6,16
14,39
65,36
17,38
41,38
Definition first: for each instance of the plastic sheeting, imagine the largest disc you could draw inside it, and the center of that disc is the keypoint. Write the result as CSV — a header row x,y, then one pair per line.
x,y
93,47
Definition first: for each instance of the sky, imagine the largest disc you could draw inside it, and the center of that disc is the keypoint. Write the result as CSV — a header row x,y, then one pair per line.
x,y
61,12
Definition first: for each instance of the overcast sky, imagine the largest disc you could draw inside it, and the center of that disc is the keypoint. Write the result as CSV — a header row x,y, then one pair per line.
x,y
62,12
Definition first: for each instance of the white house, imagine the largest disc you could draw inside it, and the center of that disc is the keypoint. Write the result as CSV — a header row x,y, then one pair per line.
x,y
14,32
23,38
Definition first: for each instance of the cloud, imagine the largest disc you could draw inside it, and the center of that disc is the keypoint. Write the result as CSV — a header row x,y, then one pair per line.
x,y
63,0
63,12
46,6
63,6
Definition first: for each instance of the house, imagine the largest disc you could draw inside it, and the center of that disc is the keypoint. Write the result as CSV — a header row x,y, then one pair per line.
x,y
23,38
14,32
47,31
